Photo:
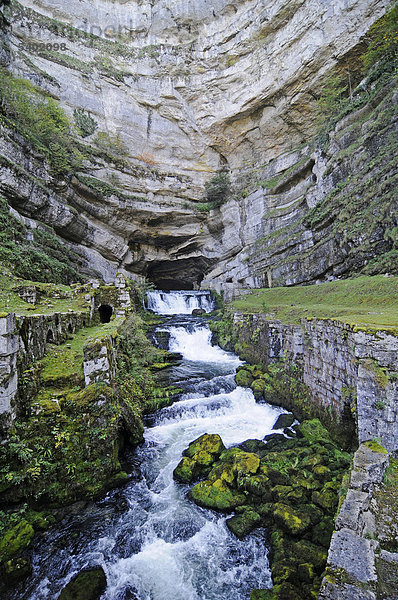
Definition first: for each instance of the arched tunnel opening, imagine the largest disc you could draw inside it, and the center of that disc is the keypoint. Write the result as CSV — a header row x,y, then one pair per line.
x,y
105,313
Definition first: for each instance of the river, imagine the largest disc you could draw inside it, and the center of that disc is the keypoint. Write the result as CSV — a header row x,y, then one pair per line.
x,y
154,543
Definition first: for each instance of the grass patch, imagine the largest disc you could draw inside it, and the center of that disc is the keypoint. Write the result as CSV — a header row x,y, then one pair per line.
x,y
64,363
55,298
366,302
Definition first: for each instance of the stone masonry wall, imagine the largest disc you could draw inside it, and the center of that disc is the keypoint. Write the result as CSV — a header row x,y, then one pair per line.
x,y
349,373
354,555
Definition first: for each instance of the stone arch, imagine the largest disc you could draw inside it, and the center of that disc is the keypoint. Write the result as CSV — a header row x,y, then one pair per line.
x,y
50,337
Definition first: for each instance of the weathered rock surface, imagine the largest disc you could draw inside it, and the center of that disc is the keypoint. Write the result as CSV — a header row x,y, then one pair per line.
x,y
191,89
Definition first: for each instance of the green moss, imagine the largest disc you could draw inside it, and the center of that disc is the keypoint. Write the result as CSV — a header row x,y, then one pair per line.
x,y
258,386
41,121
210,443
242,525
63,365
243,378
15,540
217,495
89,584
292,521
313,431
45,258
375,446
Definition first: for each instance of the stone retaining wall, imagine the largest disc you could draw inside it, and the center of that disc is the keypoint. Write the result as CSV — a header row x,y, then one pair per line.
x,y
350,374
351,572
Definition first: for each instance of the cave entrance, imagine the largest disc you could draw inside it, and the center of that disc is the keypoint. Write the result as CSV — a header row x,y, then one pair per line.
x,y
105,313
50,337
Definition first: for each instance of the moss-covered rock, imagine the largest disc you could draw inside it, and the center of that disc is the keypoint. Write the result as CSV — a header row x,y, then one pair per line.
x,y
326,499
258,386
15,570
306,572
217,495
322,532
89,584
313,431
292,489
244,523
256,446
292,521
185,470
245,463
312,553
243,378
258,486
199,458
15,540
262,595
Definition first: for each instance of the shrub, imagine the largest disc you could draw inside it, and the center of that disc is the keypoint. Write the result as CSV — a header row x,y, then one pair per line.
x,y
85,123
218,188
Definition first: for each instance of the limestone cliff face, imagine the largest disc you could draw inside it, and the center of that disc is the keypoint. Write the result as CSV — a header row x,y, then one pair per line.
x,y
189,89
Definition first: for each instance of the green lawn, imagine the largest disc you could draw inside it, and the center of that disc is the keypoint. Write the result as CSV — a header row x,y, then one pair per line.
x,y
366,302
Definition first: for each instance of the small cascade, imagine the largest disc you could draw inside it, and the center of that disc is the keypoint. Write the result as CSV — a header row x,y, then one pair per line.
x,y
179,302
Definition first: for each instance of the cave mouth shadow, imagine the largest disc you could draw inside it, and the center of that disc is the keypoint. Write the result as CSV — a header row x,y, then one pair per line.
x,y
105,313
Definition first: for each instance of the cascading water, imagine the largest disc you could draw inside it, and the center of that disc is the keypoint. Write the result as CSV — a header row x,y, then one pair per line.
x,y
179,302
153,543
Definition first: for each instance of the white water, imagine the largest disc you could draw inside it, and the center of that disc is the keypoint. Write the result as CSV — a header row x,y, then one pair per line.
x,y
164,547
178,302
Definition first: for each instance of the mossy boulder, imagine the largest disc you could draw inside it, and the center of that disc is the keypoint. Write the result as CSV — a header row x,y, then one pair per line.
x,y
327,499
262,595
291,520
322,473
15,540
313,431
287,591
185,470
245,463
277,477
211,443
312,553
243,378
199,458
306,572
217,495
89,584
322,532
258,486
256,446
244,523
258,386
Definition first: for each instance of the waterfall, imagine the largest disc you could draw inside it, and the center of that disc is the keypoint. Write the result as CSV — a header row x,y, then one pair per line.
x,y
179,302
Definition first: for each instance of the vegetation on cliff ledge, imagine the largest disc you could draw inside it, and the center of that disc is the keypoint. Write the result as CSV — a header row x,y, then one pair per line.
x,y
365,302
